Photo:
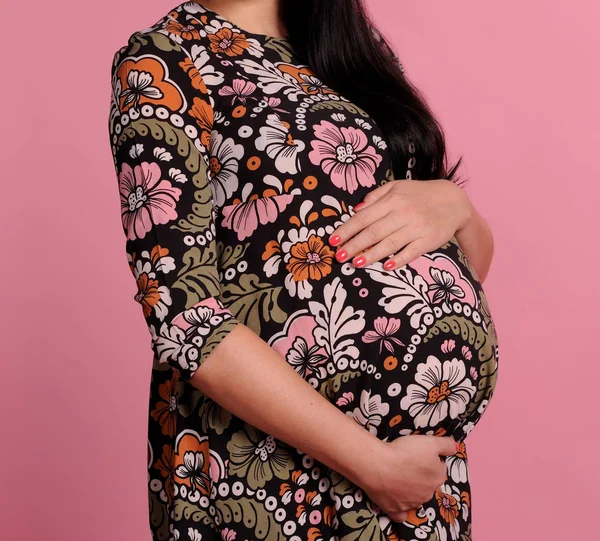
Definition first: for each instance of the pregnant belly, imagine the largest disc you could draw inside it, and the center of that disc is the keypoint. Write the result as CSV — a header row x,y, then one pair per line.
x,y
412,350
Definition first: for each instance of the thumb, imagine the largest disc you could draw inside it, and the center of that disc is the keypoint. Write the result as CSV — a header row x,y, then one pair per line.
x,y
448,446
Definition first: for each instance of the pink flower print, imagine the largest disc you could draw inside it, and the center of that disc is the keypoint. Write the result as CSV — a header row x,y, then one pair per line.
x,y
446,281
384,329
444,286
244,218
297,344
240,90
448,345
345,399
473,373
466,353
228,534
345,155
273,102
146,200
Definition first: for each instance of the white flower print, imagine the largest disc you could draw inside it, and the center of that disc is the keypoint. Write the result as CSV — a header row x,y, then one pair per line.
x,y
201,59
140,85
162,154
136,150
276,141
441,390
457,468
177,175
379,142
224,164
271,79
194,534
338,117
363,123
370,412
193,469
305,360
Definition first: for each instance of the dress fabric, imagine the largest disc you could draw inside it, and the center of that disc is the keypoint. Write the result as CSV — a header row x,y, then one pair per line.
x,y
234,165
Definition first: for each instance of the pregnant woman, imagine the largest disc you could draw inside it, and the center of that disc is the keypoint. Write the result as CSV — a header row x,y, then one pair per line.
x,y
310,275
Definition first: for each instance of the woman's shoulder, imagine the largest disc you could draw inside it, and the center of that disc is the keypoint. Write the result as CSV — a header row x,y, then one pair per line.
x,y
181,28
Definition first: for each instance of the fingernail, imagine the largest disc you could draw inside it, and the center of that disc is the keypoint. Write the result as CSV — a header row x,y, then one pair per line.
x,y
457,446
341,255
360,261
389,264
335,240
359,206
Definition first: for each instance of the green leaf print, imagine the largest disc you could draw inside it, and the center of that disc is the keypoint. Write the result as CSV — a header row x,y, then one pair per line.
x,y
183,510
228,255
352,108
159,517
213,415
282,48
253,514
251,299
257,457
330,387
198,277
163,42
365,525
163,131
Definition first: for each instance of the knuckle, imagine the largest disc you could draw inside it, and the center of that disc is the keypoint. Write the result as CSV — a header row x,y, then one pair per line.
x,y
374,232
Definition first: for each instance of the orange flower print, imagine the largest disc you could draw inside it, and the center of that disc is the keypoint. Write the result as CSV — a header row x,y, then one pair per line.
x,y
146,81
195,77
187,32
203,113
228,42
310,260
148,294
165,412
153,296
165,467
449,505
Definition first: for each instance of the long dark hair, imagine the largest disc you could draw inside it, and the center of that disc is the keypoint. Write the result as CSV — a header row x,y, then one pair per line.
x,y
346,51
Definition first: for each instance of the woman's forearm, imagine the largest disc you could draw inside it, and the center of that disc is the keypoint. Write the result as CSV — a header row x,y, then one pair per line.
x,y
251,380
477,242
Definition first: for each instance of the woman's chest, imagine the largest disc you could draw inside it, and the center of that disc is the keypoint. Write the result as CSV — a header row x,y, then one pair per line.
x,y
278,132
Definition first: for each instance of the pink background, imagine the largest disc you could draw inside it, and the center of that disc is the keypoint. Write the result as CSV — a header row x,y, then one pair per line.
x,y
516,87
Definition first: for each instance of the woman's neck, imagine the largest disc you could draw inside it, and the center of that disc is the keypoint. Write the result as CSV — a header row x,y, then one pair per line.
x,y
257,16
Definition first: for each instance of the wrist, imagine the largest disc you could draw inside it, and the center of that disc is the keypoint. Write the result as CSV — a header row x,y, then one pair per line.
x,y
468,211
364,470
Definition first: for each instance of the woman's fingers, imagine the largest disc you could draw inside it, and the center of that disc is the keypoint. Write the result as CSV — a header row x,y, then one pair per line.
x,y
410,252
387,246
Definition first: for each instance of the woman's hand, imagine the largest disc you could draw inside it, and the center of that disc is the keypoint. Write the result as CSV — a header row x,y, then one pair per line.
x,y
405,473
411,217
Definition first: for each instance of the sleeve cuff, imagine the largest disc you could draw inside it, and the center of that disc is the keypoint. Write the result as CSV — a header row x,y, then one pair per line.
x,y
192,335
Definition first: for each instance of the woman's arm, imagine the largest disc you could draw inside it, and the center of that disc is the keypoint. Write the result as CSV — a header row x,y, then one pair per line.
x,y
476,241
251,380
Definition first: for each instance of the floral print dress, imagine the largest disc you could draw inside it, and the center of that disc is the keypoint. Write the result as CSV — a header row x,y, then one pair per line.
x,y
235,164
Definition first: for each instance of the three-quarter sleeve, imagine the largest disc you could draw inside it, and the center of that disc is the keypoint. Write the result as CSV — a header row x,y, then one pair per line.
x,y
160,125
